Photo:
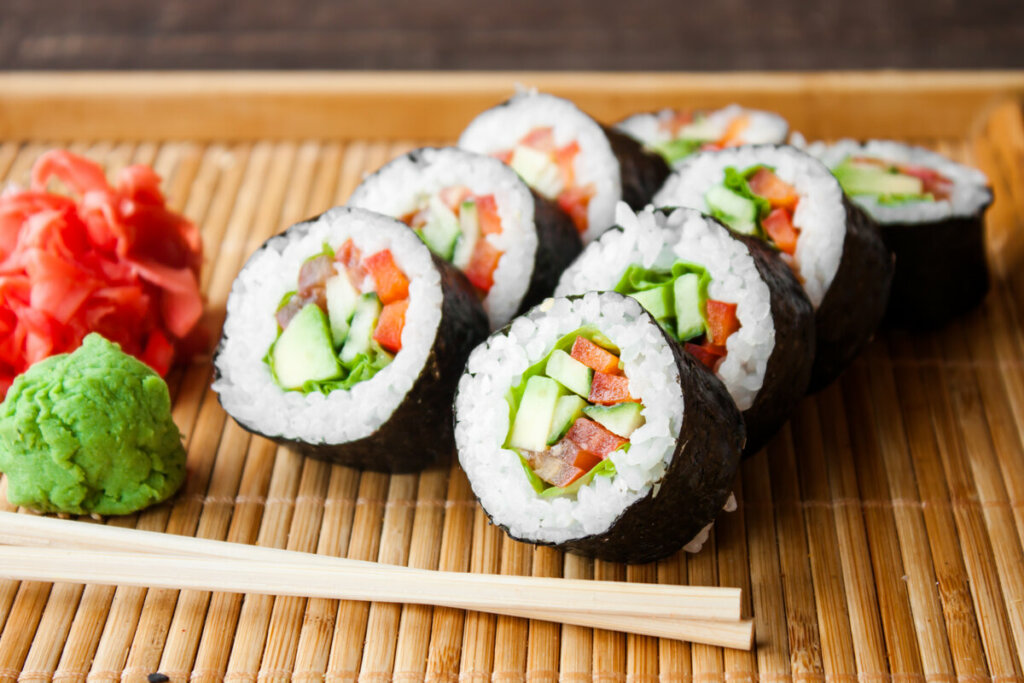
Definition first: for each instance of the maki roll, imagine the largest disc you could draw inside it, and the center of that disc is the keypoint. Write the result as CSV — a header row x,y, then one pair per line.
x,y
583,425
931,211
344,338
567,157
726,297
476,213
788,199
677,133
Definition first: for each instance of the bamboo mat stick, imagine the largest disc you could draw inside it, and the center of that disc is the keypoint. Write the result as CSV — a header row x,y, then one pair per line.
x,y
833,617
886,558
804,643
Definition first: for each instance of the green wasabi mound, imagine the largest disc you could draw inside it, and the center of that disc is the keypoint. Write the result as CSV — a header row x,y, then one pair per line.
x,y
90,432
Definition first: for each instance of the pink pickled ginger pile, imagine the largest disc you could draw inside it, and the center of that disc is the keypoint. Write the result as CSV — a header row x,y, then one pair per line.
x,y
113,260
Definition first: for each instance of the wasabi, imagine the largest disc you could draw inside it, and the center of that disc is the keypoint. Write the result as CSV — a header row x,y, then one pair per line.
x,y
90,432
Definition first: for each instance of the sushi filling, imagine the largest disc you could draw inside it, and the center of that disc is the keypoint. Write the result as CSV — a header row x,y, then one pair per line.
x,y
455,224
342,324
570,412
678,299
550,171
755,201
891,183
689,132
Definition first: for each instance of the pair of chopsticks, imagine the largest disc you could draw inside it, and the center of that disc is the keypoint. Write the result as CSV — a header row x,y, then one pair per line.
x,y
53,550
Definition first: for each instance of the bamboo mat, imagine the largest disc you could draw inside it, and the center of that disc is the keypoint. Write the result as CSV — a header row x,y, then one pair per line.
x,y
879,536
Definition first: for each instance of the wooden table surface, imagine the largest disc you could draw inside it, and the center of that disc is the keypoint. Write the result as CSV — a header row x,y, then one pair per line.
x,y
526,34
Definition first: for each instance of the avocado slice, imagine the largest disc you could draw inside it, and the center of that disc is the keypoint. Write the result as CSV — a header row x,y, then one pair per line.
x,y
532,423
569,372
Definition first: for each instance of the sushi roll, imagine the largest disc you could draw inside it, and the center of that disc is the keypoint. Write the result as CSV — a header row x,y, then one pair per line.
x,y
790,200
931,211
475,212
344,339
567,157
677,133
584,426
726,297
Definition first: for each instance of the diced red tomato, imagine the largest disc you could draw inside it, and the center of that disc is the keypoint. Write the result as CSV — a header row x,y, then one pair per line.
x,y
678,120
590,436
574,201
565,158
779,226
570,453
722,321
733,134
487,214
482,265
542,138
453,196
552,470
504,156
933,182
391,283
778,192
390,325
708,354
593,356
609,389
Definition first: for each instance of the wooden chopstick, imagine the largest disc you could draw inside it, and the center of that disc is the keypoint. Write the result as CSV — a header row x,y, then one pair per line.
x,y
92,553
319,580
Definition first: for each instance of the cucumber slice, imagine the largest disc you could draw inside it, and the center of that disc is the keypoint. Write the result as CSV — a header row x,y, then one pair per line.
x,y
622,418
567,409
689,319
538,171
364,322
657,301
304,351
341,304
862,179
569,372
701,128
442,230
738,212
536,411
469,223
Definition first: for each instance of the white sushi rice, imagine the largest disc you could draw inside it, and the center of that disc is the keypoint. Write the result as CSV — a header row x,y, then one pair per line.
x,y
397,188
653,128
247,390
819,215
655,240
970,186
502,127
482,418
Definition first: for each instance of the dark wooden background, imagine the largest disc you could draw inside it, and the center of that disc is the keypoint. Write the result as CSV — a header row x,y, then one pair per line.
x,y
510,34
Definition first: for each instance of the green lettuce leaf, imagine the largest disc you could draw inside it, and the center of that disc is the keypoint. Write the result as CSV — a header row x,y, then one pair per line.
x,y
737,182
640,279
901,199
674,150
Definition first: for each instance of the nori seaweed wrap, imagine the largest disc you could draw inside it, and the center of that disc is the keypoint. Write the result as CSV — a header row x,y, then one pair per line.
x,y
568,157
371,388
931,212
583,425
474,211
790,200
766,357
